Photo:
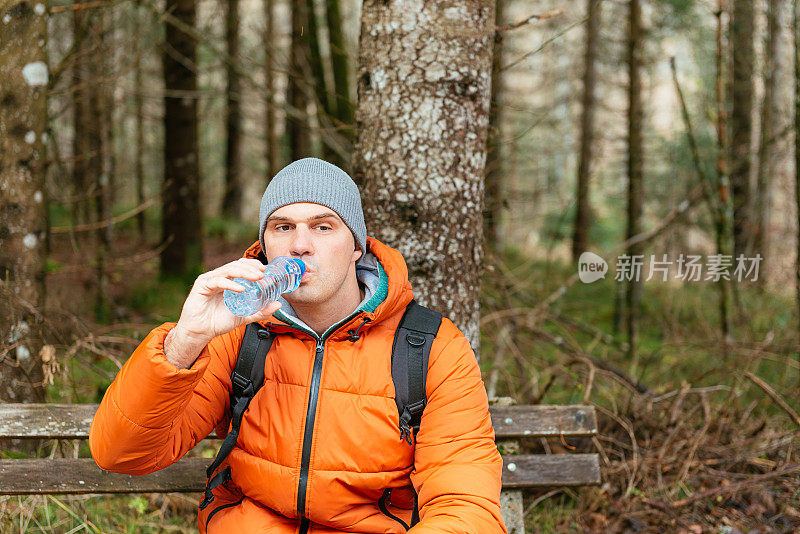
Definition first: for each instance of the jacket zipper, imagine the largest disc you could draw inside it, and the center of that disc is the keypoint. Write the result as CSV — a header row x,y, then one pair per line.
x,y
308,434
311,413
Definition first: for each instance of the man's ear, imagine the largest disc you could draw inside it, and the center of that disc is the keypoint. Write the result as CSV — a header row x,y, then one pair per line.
x,y
357,252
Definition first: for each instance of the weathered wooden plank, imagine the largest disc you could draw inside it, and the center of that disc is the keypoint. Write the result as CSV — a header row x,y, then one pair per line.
x,y
532,421
60,475
544,470
67,475
64,421
71,421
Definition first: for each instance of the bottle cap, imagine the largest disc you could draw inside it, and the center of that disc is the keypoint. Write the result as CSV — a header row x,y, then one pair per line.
x,y
300,264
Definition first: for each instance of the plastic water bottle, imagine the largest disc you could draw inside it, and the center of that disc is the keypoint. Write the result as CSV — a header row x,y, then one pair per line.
x,y
282,276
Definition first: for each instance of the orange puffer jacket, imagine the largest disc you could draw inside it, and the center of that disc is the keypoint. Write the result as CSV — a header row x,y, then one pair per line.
x,y
320,441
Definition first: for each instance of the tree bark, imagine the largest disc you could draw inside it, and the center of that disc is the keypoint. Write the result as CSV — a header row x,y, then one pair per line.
x,y
23,123
424,85
724,214
232,199
181,220
90,142
493,182
770,130
82,183
741,122
297,127
343,105
583,210
796,35
270,136
138,117
325,99
635,171
102,112
314,58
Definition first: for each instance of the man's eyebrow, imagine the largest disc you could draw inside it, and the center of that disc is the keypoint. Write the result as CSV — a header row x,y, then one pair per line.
x,y
317,217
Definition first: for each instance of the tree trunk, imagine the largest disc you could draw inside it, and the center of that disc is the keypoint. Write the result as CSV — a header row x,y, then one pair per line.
x,y
102,161
90,140
343,105
724,214
23,121
314,58
635,171
81,140
140,21
580,237
493,182
770,130
741,122
325,101
796,35
424,85
181,220
232,199
270,136
297,113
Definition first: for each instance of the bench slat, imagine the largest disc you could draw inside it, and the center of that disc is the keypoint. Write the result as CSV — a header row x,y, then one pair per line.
x,y
63,421
80,476
67,475
545,470
531,421
71,421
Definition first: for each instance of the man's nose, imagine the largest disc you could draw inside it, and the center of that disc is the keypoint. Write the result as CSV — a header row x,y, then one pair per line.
x,y
301,241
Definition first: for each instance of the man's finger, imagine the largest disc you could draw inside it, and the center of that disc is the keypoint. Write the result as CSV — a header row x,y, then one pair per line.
x,y
221,282
241,271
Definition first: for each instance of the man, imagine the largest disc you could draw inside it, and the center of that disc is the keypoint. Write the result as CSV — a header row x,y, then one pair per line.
x,y
318,449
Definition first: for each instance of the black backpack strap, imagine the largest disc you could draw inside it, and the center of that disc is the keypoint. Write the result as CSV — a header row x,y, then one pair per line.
x,y
410,352
246,379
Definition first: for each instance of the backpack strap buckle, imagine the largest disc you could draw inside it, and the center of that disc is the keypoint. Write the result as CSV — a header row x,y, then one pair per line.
x,y
242,385
217,480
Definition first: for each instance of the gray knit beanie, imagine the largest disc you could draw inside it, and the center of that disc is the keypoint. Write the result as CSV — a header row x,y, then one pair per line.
x,y
317,181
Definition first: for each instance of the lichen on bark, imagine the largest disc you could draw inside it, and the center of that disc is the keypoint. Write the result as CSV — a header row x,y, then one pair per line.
x,y
424,87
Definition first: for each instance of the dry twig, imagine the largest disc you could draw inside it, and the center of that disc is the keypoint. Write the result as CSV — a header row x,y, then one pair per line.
x,y
774,396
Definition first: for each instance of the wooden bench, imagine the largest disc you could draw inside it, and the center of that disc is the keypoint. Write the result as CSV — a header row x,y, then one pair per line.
x,y
81,475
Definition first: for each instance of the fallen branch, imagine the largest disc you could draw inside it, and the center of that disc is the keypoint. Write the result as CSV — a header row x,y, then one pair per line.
x,y
736,486
508,27
82,6
102,224
774,396
543,44
600,364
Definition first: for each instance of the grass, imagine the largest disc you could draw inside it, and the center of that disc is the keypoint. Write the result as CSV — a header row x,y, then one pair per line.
x,y
680,339
548,514
96,514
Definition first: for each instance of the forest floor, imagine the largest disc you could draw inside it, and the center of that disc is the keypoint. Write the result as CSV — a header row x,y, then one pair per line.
x,y
693,436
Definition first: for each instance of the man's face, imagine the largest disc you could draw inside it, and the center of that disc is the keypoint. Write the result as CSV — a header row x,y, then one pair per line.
x,y
319,237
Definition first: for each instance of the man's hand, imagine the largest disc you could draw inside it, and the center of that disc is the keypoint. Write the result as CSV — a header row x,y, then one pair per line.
x,y
204,314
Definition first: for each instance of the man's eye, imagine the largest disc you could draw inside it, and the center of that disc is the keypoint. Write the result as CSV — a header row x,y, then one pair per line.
x,y
282,226
324,227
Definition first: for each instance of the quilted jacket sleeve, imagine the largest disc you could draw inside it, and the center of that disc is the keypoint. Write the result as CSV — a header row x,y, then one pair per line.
x,y
457,466
153,412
